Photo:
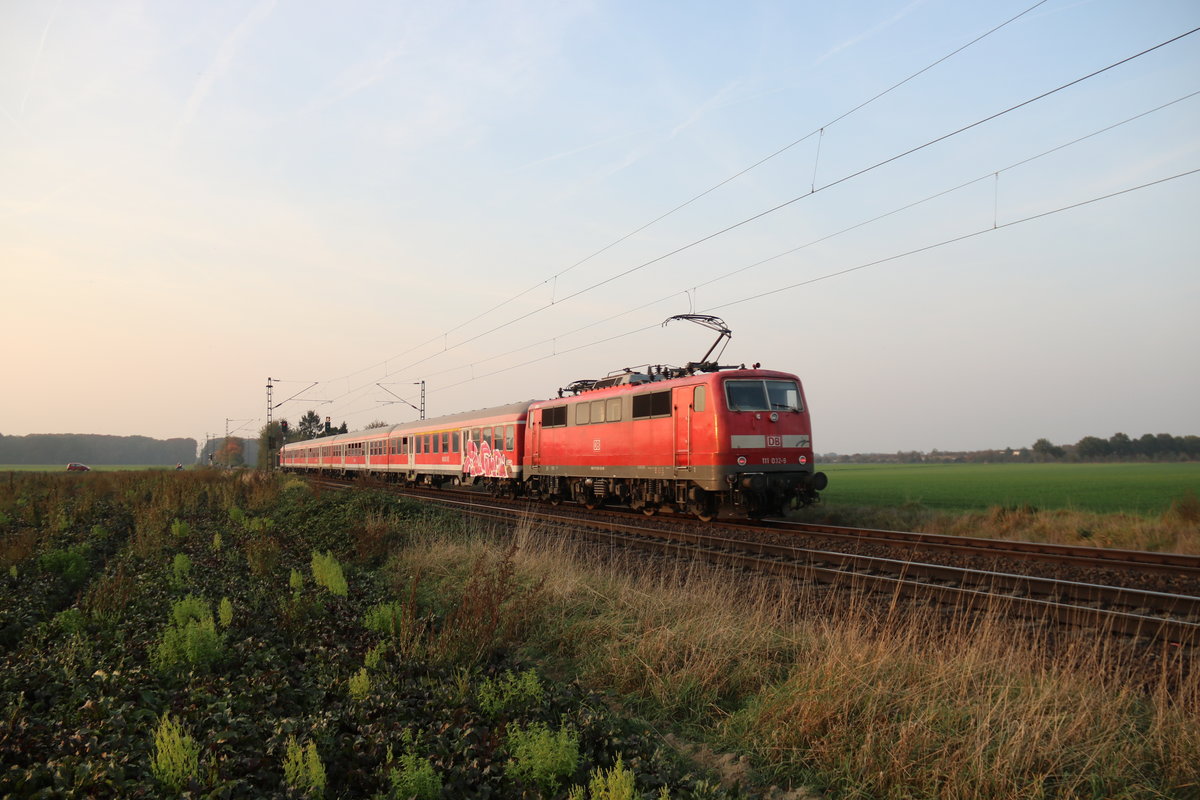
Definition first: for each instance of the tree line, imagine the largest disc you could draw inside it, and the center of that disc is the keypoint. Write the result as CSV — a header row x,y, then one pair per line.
x,y
1118,447
93,448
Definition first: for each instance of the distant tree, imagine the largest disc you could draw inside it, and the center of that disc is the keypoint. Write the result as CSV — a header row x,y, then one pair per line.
x,y
1121,446
1044,450
1092,448
375,423
270,439
309,427
230,452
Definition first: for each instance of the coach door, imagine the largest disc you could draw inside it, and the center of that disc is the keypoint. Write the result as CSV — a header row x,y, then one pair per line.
x,y
681,400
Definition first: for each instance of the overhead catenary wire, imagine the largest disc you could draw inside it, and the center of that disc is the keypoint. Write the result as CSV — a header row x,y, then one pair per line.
x,y
846,271
785,204
819,131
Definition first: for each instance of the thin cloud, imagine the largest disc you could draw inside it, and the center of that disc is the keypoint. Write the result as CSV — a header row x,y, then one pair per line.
x,y
862,37
219,66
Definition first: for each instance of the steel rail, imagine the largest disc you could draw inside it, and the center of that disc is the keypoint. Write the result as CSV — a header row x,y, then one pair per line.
x,y
1173,618
1178,564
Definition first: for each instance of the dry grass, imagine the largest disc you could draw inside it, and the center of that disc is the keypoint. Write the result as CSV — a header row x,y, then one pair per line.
x,y
841,691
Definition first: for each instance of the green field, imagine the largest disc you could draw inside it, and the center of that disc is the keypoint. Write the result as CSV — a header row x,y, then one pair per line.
x,y
94,467
1146,489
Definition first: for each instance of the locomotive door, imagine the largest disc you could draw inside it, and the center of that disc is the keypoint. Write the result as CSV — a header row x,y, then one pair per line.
x,y
535,439
681,400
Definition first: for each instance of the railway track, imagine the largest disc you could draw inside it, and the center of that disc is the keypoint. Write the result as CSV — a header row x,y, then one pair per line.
x,y
777,548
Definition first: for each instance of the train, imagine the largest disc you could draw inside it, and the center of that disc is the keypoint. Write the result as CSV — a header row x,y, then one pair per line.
x,y
703,439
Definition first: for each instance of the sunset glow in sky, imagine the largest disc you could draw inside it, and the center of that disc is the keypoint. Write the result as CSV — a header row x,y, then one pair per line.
x,y
501,197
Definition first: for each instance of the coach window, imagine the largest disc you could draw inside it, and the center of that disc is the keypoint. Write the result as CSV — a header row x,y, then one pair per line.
x,y
508,437
445,441
454,442
582,417
437,442
612,409
597,411
700,398
487,437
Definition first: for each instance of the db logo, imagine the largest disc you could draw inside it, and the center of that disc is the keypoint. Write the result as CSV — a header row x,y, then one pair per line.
x,y
741,461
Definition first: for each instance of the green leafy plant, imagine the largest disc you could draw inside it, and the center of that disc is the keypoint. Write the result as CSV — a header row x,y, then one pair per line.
x,y
375,655
540,755
510,691
302,768
415,777
180,529
296,580
191,639
70,621
225,612
181,567
360,684
70,564
617,783
327,572
386,619
176,760
237,515
217,542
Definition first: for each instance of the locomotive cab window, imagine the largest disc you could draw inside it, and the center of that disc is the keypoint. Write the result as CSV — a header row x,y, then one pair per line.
x,y
749,395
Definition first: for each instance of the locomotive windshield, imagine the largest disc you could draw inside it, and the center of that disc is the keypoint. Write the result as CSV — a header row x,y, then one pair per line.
x,y
758,395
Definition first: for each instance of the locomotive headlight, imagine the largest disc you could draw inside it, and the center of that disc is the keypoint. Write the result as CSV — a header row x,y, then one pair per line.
x,y
774,416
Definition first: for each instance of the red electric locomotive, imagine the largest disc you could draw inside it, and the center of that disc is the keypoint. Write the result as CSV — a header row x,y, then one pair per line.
x,y
701,438
739,438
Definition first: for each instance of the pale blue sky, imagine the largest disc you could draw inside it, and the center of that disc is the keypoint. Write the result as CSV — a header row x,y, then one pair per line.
x,y
196,196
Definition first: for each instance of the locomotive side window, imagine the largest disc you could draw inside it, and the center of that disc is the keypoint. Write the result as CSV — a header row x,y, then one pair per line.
x,y
597,411
652,404
700,398
612,409
583,414
554,417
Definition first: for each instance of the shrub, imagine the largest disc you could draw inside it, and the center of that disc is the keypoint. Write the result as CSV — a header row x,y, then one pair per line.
x,y
302,768
296,580
510,691
180,529
225,612
176,759
540,755
327,572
